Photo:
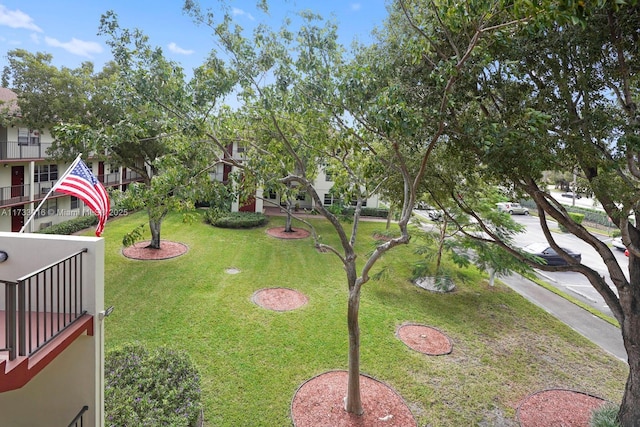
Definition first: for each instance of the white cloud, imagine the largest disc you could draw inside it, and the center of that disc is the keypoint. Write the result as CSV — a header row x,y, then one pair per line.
x,y
239,12
177,49
75,46
17,19
355,6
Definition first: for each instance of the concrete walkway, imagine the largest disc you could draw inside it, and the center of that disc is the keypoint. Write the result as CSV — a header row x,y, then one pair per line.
x,y
595,329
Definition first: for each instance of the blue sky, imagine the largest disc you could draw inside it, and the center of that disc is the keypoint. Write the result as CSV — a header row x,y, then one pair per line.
x,y
67,29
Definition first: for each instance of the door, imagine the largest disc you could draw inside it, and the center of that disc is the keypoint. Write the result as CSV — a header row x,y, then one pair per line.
x,y
249,206
17,181
17,218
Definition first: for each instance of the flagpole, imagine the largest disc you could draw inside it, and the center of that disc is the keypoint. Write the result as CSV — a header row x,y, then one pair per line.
x,y
64,175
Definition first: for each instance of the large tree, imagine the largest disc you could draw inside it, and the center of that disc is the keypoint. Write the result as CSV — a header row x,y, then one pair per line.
x,y
308,105
119,115
562,95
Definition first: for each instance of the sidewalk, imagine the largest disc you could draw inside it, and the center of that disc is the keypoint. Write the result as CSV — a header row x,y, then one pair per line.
x,y
603,334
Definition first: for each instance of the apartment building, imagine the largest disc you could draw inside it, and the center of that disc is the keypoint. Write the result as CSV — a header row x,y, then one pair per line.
x,y
27,173
51,330
269,199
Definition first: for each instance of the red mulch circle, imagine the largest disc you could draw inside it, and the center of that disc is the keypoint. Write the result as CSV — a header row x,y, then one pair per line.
x,y
167,250
557,407
319,402
279,299
296,233
425,339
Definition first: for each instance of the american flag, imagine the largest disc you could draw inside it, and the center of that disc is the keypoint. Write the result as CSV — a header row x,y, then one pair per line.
x,y
81,183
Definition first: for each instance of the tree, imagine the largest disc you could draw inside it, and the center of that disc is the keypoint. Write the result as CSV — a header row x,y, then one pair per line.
x,y
119,115
562,94
309,105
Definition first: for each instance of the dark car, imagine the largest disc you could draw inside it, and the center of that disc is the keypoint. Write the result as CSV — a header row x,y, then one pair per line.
x,y
571,195
547,253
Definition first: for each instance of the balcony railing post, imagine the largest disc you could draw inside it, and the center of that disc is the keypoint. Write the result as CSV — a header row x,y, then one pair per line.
x,y
22,319
10,325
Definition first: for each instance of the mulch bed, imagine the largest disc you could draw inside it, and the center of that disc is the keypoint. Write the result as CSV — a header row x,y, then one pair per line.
x,y
425,339
295,233
279,299
557,407
168,249
320,402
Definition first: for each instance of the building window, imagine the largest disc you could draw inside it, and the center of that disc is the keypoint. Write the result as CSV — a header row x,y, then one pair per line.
x,y
301,195
328,199
49,207
28,136
114,168
45,173
328,176
75,202
271,195
354,202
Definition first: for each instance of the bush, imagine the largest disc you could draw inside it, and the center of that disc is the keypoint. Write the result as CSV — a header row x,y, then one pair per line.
x,y
159,387
371,212
606,416
221,219
72,226
576,217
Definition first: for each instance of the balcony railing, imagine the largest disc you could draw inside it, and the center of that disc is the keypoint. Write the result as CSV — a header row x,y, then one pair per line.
x,y
39,306
14,194
78,421
13,150
109,178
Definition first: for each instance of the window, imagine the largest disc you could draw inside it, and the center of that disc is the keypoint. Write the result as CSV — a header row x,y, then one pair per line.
x,y
45,173
74,202
50,207
114,168
328,176
271,195
301,196
328,199
28,136
354,202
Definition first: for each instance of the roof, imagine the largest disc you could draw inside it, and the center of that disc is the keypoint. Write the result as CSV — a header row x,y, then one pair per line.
x,y
8,100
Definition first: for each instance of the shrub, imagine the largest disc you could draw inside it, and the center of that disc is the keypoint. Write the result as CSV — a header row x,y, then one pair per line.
x,y
605,416
372,212
576,217
72,226
234,219
159,387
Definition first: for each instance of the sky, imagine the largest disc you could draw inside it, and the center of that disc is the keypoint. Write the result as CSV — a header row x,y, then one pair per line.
x,y
67,29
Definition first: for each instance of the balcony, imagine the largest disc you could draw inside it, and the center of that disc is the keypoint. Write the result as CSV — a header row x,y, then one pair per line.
x,y
39,308
51,333
13,150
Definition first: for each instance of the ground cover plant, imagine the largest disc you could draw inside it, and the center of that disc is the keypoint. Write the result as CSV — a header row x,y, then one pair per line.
x,y
252,360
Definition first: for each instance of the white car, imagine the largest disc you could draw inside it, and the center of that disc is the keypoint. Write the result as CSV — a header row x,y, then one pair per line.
x,y
512,208
616,242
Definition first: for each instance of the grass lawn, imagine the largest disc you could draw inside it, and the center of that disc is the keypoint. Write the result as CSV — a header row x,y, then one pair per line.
x,y
253,360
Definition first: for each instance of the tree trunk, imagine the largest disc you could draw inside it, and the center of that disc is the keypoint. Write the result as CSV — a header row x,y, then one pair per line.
x,y
154,226
353,403
287,225
629,414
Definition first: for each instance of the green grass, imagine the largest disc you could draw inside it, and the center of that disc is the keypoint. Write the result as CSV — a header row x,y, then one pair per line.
x,y
252,360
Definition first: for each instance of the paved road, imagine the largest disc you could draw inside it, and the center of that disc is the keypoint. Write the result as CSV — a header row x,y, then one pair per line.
x,y
595,329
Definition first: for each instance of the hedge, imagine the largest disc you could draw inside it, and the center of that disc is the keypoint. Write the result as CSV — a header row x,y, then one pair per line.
x,y
71,226
234,219
159,387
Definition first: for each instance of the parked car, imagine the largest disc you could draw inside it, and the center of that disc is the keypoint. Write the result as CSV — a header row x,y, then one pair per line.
x,y
512,208
617,243
570,195
547,253
435,214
